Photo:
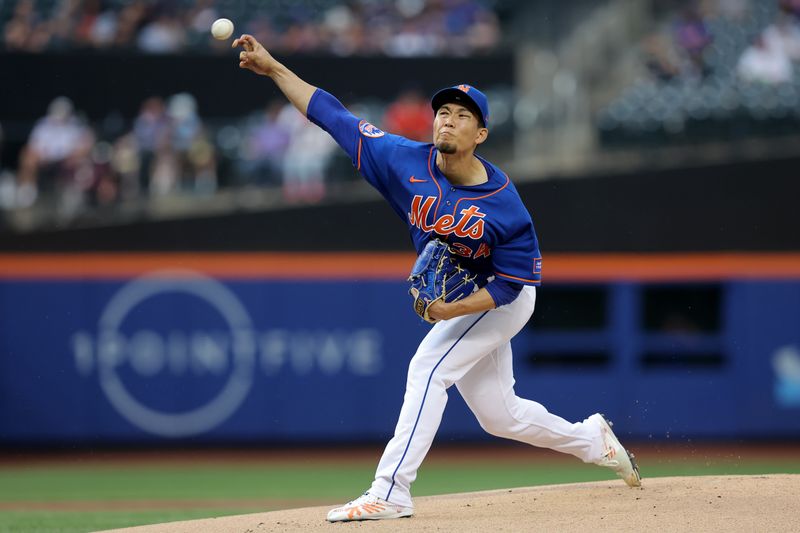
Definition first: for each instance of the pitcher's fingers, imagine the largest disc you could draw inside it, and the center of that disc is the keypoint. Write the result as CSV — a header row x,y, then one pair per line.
x,y
241,41
247,41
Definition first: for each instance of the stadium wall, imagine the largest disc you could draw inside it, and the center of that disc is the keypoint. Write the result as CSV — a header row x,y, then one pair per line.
x,y
264,348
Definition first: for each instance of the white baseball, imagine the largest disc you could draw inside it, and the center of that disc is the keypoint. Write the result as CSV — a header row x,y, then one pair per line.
x,y
222,29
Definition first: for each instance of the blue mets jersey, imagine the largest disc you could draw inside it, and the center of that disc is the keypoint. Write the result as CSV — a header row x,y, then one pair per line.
x,y
487,225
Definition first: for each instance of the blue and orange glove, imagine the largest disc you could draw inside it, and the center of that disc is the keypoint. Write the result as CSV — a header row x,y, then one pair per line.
x,y
437,276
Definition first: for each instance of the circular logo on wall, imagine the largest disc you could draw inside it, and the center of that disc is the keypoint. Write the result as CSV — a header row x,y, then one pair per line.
x,y
134,344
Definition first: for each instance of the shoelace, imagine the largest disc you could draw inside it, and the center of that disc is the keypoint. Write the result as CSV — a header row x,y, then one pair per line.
x,y
365,494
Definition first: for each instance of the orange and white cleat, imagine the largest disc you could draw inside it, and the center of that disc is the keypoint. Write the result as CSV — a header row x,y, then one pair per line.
x,y
368,507
615,456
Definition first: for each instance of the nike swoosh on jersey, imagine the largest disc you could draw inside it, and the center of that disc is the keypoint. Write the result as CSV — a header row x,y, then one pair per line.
x,y
412,179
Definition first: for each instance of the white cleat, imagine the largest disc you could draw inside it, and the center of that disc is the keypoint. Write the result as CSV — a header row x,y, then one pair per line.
x,y
368,507
615,456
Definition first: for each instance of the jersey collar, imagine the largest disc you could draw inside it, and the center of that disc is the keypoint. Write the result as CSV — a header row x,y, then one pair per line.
x,y
496,178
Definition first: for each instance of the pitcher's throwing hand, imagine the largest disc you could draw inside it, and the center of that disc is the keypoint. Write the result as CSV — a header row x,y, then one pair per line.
x,y
254,56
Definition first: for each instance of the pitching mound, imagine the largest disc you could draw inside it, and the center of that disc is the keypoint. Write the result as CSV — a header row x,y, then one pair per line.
x,y
718,503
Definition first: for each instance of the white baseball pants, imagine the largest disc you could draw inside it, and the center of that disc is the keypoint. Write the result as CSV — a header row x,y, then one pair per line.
x,y
474,352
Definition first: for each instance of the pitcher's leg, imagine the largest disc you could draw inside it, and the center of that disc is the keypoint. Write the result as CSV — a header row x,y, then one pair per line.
x,y
488,390
420,416
446,353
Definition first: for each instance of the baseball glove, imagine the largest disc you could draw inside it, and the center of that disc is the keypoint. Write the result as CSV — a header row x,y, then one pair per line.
x,y
437,276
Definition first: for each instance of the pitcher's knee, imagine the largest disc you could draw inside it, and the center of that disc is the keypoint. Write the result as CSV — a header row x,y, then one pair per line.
x,y
511,420
497,426
419,368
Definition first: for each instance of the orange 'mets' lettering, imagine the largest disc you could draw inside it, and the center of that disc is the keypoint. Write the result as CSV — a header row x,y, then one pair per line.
x,y
446,224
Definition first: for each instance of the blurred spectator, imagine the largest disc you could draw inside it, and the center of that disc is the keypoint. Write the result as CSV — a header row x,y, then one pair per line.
x,y
19,32
306,158
93,184
175,151
165,170
199,19
734,10
63,22
164,34
472,26
126,166
693,37
483,34
196,163
151,129
346,31
267,139
105,183
715,106
784,34
412,39
765,64
104,28
7,186
129,21
85,23
410,115
660,59
58,145
791,7
202,165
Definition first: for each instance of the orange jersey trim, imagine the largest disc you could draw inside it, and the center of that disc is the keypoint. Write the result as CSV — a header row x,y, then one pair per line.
x,y
533,281
438,198
358,165
508,180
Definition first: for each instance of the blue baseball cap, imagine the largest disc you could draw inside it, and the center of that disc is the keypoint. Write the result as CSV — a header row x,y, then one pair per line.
x,y
464,94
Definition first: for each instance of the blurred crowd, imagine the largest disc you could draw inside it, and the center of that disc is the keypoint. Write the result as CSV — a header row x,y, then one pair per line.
x,y
774,52
357,27
66,161
69,164
690,43
715,69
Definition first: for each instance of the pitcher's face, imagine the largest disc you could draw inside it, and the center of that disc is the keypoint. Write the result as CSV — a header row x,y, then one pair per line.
x,y
457,129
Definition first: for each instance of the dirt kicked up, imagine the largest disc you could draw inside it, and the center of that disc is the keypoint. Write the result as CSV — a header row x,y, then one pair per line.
x,y
696,504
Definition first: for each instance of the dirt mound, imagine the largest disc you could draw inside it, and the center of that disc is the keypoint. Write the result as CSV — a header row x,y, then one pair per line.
x,y
708,503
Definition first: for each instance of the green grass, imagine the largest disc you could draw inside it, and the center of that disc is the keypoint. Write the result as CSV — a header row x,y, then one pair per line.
x,y
304,483
74,522
107,483
439,480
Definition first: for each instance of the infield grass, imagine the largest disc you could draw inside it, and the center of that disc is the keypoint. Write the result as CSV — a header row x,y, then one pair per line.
x,y
86,497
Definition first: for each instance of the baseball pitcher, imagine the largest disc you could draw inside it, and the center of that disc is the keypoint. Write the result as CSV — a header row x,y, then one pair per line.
x,y
475,280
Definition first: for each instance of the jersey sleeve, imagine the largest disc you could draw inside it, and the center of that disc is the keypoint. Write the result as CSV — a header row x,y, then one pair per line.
x,y
519,259
370,149
503,291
